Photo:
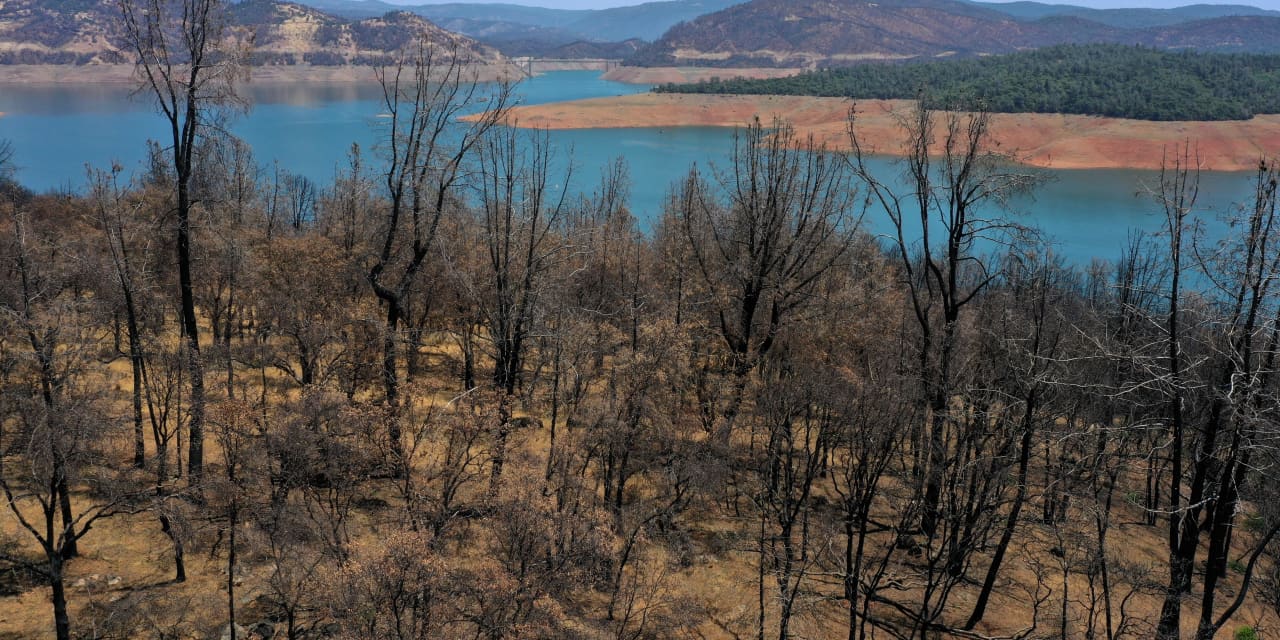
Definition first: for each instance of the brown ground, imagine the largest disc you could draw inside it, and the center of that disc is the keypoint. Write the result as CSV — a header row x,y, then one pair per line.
x,y
128,556
1044,140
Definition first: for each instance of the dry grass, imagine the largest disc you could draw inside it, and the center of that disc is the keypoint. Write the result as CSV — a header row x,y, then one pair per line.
x,y
712,583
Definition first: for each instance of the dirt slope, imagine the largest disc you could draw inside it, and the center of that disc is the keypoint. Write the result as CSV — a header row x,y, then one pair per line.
x,y
1044,140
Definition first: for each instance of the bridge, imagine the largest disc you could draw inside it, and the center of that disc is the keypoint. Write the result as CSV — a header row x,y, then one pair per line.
x,y
539,65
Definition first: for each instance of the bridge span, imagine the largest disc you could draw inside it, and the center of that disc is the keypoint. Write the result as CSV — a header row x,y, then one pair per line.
x,y
533,66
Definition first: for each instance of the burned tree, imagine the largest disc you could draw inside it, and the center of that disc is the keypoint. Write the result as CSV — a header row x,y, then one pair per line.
x,y
427,150
776,221
940,224
189,61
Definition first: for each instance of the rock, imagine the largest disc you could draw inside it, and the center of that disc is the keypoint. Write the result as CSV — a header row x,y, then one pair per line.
x,y
79,584
241,633
263,630
372,504
113,581
526,422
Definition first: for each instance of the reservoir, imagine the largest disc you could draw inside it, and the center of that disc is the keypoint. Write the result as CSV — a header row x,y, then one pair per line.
x,y
58,131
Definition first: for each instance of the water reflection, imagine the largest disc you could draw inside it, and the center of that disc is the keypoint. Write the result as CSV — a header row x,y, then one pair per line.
x,y
313,95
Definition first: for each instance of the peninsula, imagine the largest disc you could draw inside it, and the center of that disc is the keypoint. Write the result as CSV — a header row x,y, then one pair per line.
x,y
1054,141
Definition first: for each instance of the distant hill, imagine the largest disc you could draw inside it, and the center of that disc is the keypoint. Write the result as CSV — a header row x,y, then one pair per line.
x,y
90,31
489,11
724,33
61,31
1096,79
1135,18
1260,34
498,23
646,21
577,50
773,32
800,33
812,33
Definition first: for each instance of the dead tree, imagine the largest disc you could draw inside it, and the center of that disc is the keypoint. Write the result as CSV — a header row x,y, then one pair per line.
x,y
520,205
60,426
1225,412
112,218
1179,187
941,225
427,153
778,219
189,61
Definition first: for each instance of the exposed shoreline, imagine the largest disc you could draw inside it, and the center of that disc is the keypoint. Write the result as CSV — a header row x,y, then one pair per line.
x,y
1053,141
1044,140
36,74
287,74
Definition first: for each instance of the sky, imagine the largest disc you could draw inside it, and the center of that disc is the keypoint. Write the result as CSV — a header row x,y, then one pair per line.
x,y
1100,4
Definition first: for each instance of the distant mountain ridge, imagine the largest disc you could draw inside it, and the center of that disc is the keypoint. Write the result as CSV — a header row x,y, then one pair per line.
x,y
706,33
1135,18
576,50
650,20
498,23
811,33
285,33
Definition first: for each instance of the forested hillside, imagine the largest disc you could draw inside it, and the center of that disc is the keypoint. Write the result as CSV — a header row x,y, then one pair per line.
x,y
823,33
1125,17
1102,80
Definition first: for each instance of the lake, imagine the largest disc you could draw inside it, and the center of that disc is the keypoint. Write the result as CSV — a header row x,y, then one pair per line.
x,y
59,130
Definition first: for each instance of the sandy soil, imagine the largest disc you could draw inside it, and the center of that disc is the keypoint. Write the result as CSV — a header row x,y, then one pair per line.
x,y
660,75
1044,140
123,73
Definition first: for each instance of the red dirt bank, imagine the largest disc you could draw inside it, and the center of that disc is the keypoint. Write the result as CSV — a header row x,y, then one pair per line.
x,y
1043,140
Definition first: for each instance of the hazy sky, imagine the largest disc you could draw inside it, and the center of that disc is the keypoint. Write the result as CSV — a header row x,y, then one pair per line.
x,y
600,4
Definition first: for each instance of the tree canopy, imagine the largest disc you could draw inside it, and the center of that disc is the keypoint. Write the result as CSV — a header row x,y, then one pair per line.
x,y
1102,80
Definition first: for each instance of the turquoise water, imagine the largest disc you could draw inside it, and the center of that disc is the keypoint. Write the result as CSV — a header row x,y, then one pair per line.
x,y
308,129
58,131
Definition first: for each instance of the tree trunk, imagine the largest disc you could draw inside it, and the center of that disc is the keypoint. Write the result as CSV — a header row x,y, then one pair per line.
x,y
190,327
1216,561
135,361
179,553
499,456
1024,458
61,620
556,374
231,573
227,361
390,376
391,386
70,548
